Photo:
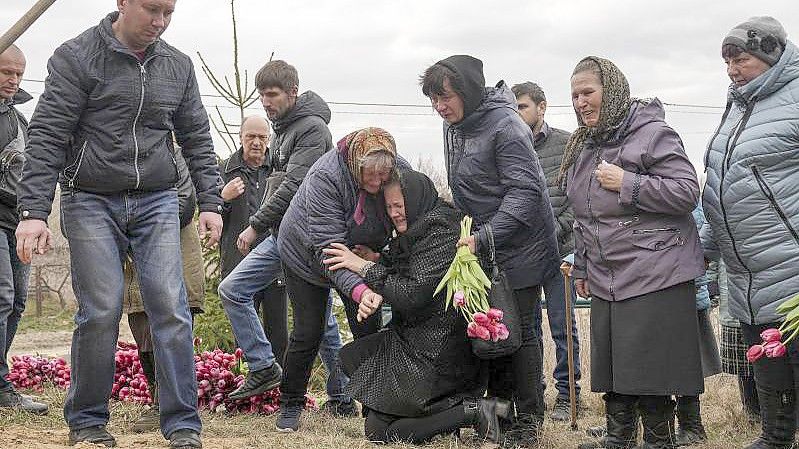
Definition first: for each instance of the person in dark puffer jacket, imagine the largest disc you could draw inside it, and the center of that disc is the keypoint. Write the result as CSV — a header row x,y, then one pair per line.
x,y
496,178
114,99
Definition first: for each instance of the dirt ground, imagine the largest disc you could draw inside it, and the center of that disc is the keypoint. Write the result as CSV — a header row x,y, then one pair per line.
x,y
721,410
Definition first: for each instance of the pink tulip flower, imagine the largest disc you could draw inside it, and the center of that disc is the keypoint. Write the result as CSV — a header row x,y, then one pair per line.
x,y
770,335
774,349
755,352
481,319
459,299
495,314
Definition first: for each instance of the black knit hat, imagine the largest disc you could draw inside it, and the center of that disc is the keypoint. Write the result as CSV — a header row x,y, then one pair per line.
x,y
469,71
762,37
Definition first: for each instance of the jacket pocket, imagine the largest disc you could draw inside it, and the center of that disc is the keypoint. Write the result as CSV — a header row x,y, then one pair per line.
x,y
72,170
657,239
769,194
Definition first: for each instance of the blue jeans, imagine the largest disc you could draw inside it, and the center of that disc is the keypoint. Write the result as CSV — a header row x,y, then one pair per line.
x,y
102,230
237,291
13,292
555,295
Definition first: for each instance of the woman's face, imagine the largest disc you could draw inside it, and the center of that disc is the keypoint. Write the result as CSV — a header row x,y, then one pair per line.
x,y
587,97
744,68
449,105
395,205
372,179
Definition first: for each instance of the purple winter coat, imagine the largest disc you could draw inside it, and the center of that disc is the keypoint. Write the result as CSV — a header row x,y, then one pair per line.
x,y
644,238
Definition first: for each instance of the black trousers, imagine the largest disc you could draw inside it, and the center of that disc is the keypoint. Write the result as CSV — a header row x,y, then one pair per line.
x,y
273,304
517,377
309,303
383,428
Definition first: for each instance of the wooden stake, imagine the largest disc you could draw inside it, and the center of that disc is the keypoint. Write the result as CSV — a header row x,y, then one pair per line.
x,y
13,33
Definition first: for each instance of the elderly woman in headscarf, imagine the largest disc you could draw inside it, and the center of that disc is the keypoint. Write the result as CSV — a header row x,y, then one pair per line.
x,y
751,202
419,378
637,254
340,201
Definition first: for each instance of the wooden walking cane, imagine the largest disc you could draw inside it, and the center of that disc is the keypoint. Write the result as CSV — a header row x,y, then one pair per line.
x,y
570,349
13,33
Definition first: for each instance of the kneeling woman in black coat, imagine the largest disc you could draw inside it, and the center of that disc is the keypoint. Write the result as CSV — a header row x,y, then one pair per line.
x,y
418,379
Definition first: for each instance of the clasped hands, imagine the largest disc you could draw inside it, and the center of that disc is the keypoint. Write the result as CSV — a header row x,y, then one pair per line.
x,y
354,260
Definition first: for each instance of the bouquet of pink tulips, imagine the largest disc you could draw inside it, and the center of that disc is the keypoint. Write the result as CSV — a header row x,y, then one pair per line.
x,y
773,344
467,290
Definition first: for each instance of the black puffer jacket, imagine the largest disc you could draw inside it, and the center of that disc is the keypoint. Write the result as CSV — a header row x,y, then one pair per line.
x,y
299,139
496,178
550,154
10,122
424,363
105,123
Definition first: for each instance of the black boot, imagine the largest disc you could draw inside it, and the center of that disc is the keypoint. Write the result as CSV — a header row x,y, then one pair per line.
x,y
523,433
484,414
690,430
778,413
748,391
622,423
657,417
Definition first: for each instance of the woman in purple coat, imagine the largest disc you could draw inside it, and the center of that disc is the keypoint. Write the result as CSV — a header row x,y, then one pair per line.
x,y
632,189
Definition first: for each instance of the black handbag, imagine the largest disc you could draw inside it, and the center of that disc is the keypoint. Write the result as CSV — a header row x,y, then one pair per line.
x,y
501,297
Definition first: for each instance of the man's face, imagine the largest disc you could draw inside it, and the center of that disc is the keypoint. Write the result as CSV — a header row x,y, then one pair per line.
x,y
449,105
532,113
141,22
277,102
12,67
254,137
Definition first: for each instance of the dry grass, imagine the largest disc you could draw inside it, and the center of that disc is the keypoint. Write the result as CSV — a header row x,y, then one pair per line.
x,y
721,411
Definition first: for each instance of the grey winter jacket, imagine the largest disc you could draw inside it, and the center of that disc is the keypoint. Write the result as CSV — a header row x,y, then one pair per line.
x,y
105,123
550,149
236,213
496,178
299,139
751,199
644,238
11,120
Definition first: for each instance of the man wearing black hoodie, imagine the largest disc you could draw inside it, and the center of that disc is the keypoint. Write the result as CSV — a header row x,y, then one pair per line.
x,y
500,183
300,137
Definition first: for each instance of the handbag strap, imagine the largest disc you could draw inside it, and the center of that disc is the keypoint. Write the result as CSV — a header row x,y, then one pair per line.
x,y
492,249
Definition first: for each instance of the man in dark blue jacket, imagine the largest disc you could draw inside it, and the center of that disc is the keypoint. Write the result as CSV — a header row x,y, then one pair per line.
x,y
13,273
495,177
115,98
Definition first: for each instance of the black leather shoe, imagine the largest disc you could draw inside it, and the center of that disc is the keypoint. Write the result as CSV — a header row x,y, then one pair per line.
x,y
185,439
93,435
259,381
13,400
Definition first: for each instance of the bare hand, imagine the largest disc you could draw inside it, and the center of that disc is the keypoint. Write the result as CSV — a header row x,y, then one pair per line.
x,y
370,303
366,253
245,240
566,269
233,189
609,176
210,225
342,257
581,286
32,237
468,241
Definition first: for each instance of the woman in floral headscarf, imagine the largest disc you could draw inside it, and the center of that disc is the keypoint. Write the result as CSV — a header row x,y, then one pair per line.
x,y
340,201
637,253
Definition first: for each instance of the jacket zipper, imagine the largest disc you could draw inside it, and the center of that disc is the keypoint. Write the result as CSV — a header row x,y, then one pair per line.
x,y
596,230
764,187
143,77
725,163
650,231
77,166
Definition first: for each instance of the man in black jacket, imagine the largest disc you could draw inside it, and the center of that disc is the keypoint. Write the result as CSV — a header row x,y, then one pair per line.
x,y
549,145
113,101
300,137
13,273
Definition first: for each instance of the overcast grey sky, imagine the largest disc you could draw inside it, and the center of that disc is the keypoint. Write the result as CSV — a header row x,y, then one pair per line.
x,y
373,52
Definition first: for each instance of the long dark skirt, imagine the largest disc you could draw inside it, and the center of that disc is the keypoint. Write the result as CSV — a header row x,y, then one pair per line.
x,y
647,345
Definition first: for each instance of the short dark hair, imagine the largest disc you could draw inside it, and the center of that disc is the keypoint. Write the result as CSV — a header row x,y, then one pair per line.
x,y
730,51
529,88
432,81
278,74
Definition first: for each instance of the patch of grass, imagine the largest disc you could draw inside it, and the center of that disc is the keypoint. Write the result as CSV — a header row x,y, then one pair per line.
x,y
53,318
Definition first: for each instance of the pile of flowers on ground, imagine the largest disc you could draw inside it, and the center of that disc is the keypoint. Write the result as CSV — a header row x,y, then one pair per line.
x,y
772,344
218,374
467,290
33,372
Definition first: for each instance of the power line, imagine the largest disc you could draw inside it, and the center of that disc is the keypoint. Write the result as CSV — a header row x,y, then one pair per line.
x,y
410,105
